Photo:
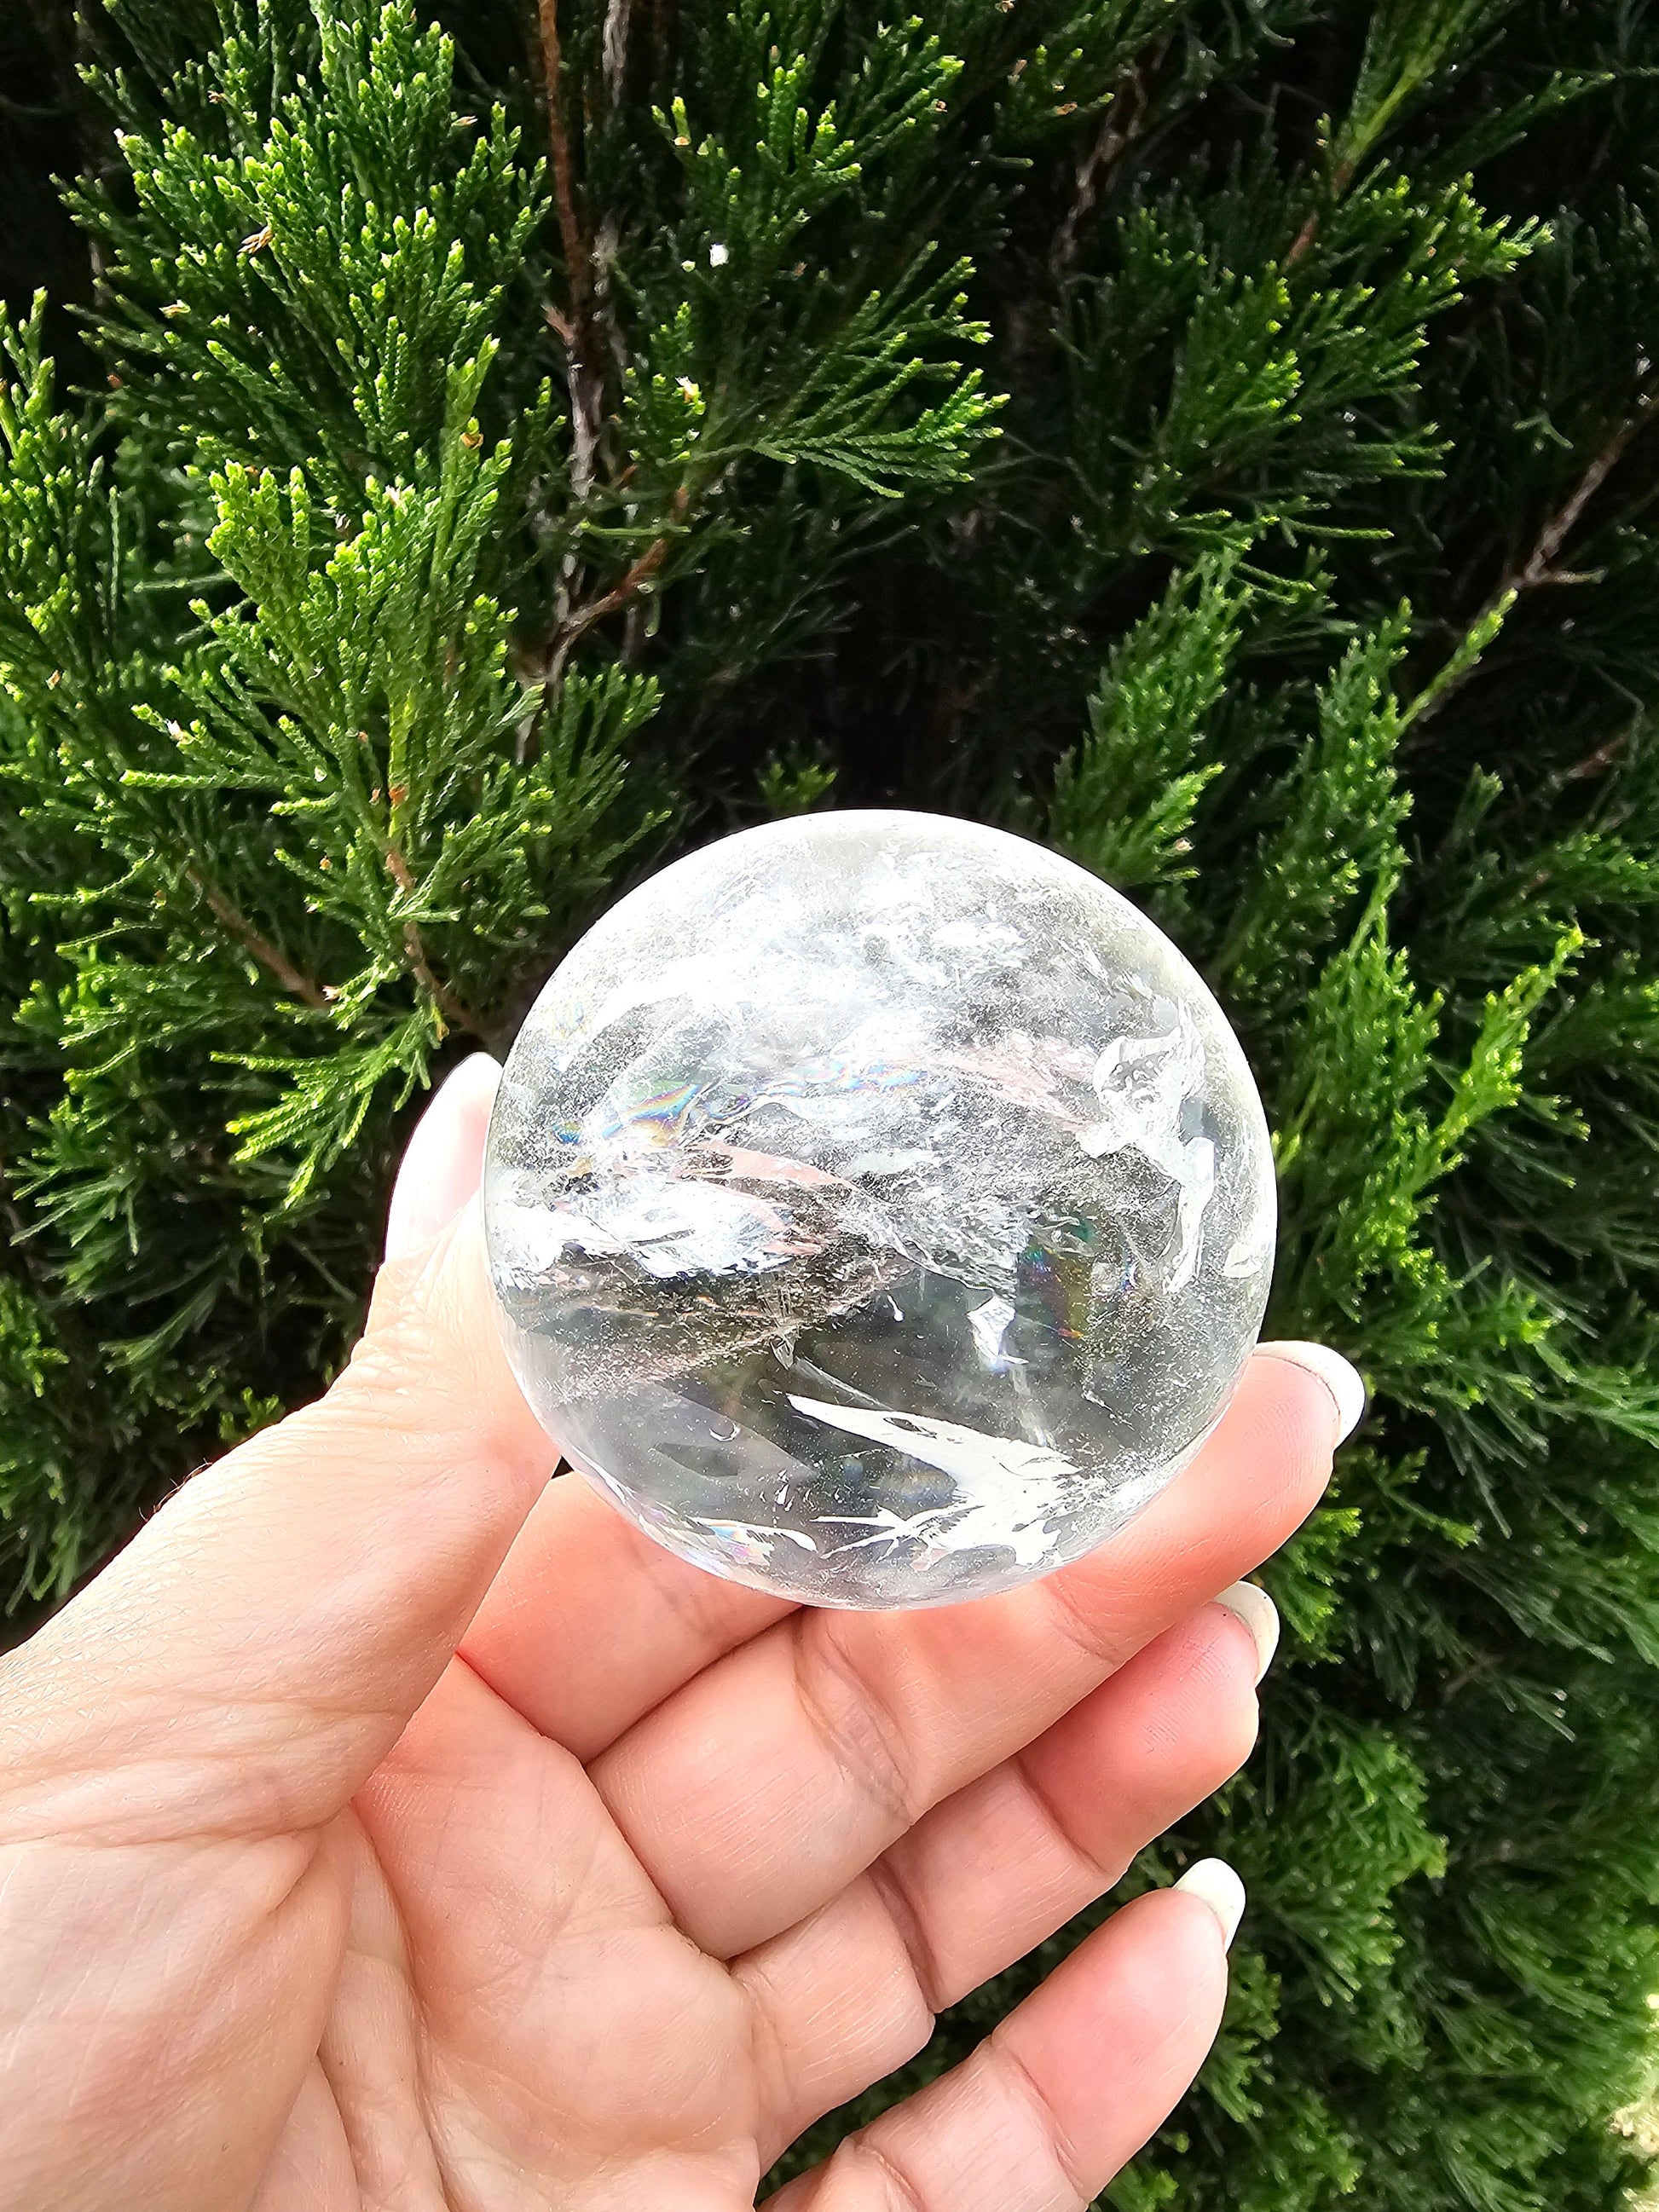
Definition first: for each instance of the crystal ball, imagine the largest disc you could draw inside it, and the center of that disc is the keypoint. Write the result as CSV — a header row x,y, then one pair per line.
x,y
880,1209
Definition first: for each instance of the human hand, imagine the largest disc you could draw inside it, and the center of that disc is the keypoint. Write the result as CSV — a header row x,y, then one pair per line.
x,y
389,1828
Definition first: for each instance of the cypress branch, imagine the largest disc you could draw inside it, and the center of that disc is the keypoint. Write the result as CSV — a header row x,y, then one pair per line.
x,y
263,951
482,486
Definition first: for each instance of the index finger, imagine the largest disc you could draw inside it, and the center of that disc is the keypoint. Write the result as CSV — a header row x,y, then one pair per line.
x,y
591,1624
763,1788
261,1644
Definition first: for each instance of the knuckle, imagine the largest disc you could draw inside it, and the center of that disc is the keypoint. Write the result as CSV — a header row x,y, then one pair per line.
x,y
1025,2089
854,1718
909,1926
867,2155
1103,1872
1097,1635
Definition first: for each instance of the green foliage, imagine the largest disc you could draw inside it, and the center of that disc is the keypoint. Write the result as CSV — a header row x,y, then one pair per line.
x,y
1124,801
1218,437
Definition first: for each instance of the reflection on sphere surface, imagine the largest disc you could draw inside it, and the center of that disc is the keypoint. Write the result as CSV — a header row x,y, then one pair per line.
x,y
880,1208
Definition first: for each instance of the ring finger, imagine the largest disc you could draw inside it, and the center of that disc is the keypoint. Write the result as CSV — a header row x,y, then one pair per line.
x,y
775,1777
852,1992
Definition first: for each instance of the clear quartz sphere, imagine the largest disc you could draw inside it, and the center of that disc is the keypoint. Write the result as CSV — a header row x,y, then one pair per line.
x,y
880,1208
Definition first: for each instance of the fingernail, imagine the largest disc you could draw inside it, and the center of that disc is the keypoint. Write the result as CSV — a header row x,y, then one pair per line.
x,y
1214,1880
1260,1616
440,1169
1341,1377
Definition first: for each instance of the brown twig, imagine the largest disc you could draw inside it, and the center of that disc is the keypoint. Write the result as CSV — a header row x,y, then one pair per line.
x,y
1598,762
1538,569
1120,124
261,947
582,619
1539,566
577,624
582,347
1342,178
459,1014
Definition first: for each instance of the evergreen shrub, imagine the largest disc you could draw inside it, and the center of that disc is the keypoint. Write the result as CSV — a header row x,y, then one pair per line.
x,y
1213,436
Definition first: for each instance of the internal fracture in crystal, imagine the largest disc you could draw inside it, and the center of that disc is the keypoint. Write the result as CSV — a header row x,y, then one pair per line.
x,y
880,1208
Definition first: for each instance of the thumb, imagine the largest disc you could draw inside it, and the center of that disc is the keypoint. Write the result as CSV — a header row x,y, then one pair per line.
x,y
442,1167
260,1646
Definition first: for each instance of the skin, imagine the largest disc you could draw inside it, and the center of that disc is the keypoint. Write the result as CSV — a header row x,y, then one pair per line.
x,y
388,1826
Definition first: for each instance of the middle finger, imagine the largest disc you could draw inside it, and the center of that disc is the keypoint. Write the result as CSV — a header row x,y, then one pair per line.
x,y
775,1778
853,1991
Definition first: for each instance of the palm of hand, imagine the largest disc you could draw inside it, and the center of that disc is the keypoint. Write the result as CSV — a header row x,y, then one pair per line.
x,y
517,2021
521,2020
390,1829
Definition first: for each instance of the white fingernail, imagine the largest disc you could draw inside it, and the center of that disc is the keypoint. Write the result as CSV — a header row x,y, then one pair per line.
x,y
425,1195
1260,1616
1214,1880
1341,1377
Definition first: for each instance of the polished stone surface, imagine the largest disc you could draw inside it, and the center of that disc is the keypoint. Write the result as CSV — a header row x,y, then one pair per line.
x,y
880,1207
